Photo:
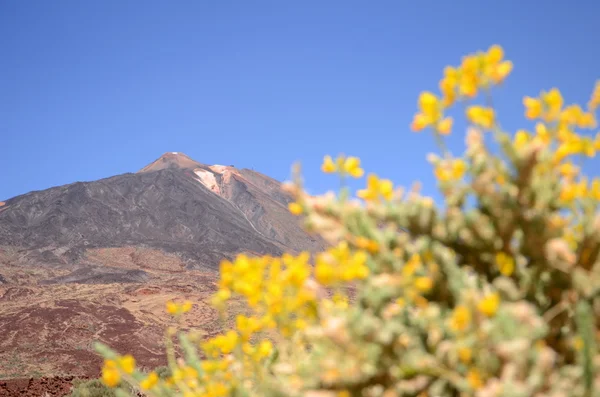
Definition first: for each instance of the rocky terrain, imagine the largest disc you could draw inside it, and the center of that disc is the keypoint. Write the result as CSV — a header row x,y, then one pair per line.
x,y
98,260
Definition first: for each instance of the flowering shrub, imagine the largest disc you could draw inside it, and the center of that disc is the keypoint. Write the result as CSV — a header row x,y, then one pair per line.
x,y
494,294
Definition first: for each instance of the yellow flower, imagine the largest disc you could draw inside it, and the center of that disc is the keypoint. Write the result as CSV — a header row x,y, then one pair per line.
x,y
351,166
324,272
452,171
567,148
186,306
461,318
570,115
578,343
423,284
587,121
419,123
110,374
127,364
247,326
377,189
574,115
190,372
481,116
429,111
172,307
448,85
411,266
542,133
494,55
444,127
568,170
344,165
470,64
465,354
295,208
225,343
554,102
521,139
428,104
370,245
500,72
505,263
358,266
150,381
468,85
176,308
328,166
489,304
594,190
533,107
586,147
568,192
474,379
265,348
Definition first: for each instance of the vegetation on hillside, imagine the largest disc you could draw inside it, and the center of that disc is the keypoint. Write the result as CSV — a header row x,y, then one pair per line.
x,y
495,293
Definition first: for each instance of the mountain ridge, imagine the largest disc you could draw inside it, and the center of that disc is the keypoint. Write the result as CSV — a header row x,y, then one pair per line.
x,y
163,206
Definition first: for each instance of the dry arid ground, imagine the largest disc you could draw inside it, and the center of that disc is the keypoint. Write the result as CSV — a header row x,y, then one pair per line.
x,y
47,330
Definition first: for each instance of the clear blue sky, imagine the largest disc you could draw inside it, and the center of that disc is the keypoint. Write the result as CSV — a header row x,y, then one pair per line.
x,y
90,89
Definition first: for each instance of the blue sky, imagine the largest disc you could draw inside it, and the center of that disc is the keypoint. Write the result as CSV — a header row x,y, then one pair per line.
x,y
90,89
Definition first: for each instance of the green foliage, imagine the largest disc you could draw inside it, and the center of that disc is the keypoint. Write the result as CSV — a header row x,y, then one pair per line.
x,y
91,388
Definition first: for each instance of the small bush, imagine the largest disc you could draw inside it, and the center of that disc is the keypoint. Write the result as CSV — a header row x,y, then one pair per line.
x,y
493,293
91,388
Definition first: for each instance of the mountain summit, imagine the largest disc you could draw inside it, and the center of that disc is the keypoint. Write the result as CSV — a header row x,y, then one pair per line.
x,y
171,160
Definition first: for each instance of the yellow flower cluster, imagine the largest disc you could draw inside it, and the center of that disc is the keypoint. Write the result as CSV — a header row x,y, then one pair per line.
x,y
341,264
377,189
462,315
343,165
187,378
276,288
448,171
150,381
558,125
579,190
481,116
476,72
431,111
417,279
549,108
177,309
111,370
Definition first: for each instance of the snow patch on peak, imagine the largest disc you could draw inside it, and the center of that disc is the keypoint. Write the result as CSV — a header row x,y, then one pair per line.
x,y
219,168
174,152
208,179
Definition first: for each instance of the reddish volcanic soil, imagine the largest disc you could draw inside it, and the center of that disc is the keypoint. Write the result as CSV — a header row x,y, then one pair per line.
x,y
42,387
47,331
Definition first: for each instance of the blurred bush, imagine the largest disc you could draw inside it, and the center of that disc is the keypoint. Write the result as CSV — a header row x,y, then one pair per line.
x,y
493,293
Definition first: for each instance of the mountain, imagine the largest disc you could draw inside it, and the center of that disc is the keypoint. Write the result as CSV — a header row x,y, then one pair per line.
x,y
201,213
98,260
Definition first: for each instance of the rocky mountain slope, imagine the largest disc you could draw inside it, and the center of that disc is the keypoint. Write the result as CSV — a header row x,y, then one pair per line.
x,y
98,260
175,204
